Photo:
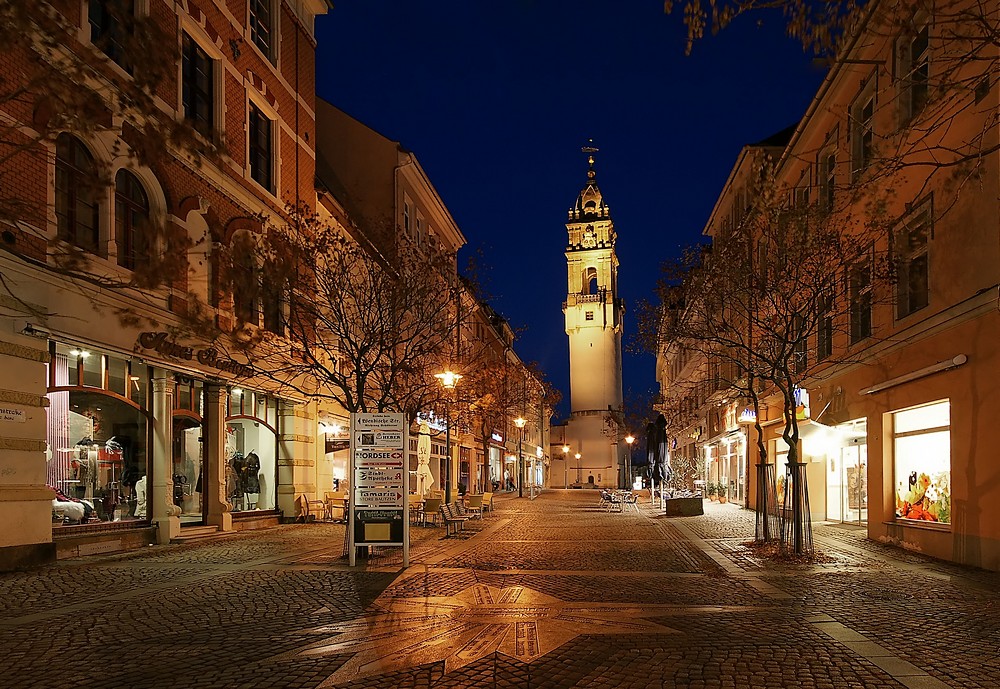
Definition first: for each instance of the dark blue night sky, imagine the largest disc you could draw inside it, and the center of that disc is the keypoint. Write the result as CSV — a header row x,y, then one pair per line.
x,y
496,99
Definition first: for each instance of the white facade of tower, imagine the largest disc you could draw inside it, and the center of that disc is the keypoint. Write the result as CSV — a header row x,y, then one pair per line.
x,y
593,314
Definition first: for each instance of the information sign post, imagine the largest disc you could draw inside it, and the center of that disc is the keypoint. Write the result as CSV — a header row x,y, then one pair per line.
x,y
379,483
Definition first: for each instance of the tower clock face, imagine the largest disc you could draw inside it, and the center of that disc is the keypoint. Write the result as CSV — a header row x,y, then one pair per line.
x,y
589,237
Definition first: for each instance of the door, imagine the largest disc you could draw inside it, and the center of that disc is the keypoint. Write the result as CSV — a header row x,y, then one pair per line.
x,y
855,481
188,467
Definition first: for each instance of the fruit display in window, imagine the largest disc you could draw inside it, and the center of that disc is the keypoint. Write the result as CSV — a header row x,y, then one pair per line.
x,y
924,498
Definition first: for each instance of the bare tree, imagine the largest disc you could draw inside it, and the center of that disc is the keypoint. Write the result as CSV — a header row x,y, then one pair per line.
x,y
332,319
496,389
782,283
933,113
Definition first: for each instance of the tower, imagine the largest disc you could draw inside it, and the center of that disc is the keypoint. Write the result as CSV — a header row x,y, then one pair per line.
x,y
593,313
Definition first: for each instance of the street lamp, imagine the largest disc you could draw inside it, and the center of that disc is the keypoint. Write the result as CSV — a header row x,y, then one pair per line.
x,y
519,422
628,461
579,476
565,449
449,380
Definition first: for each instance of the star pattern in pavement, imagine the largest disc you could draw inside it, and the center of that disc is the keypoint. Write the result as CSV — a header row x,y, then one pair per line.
x,y
516,621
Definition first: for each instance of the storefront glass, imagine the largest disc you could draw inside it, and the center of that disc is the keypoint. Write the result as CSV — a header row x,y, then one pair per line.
x,y
922,462
97,437
251,450
847,473
188,453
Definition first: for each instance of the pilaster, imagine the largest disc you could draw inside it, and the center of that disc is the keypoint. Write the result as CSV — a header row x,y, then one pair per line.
x,y
296,455
25,502
218,509
166,515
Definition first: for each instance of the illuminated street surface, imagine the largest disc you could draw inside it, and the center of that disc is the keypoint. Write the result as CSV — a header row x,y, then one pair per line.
x,y
458,630
547,593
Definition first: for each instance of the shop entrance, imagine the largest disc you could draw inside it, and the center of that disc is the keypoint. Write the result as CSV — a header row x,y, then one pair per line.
x,y
847,478
188,468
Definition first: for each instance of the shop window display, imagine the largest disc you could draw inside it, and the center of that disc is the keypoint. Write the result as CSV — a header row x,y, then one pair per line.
x,y
97,440
188,452
251,451
922,457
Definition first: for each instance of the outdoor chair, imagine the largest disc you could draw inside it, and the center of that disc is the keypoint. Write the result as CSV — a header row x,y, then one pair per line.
x,y
487,502
474,505
310,510
334,501
432,508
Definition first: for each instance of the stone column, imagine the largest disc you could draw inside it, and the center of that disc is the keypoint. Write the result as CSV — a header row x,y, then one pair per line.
x,y
25,502
166,515
296,455
213,432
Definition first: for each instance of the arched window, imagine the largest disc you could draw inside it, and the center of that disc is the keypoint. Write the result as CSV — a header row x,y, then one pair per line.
x,y
244,279
590,281
131,220
77,208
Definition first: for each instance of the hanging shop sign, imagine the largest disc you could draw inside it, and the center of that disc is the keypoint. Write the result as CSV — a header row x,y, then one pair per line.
x,y
160,343
379,499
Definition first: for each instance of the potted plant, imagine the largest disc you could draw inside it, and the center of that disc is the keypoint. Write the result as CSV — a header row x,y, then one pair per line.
x,y
713,490
722,487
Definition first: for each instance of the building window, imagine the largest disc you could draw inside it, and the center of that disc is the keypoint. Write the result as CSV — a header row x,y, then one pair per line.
x,y
406,217
261,26
272,297
588,315
96,429
109,28
922,462
824,329
131,220
800,338
261,156
914,62
912,265
590,281
198,90
77,207
244,280
420,231
862,132
860,294
827,179
801,197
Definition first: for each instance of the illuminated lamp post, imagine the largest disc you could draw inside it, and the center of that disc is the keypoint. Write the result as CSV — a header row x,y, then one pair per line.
x,y
629,439
519,422
449,380
579,475
565,449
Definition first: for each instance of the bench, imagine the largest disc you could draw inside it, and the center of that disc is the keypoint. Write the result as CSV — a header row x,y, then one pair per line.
x,y
452,517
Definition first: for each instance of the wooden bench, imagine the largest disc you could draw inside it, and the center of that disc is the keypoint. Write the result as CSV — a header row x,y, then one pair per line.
x,y
451,516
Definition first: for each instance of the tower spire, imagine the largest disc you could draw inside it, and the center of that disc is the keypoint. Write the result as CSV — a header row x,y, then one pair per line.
x,y
590,149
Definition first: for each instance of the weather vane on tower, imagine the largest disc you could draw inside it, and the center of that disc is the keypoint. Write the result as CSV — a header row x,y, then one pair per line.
x,y
590,149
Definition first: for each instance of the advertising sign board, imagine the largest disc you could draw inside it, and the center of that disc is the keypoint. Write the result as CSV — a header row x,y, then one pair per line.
x,y
379,495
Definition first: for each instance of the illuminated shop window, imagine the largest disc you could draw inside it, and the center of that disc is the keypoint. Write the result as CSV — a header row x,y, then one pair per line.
x,y
922,459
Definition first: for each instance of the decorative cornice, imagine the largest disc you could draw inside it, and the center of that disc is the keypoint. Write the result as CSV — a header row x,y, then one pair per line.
x,y
25,399
23,352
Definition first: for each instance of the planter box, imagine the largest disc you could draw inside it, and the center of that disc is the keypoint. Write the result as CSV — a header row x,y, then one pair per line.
x,y
684,507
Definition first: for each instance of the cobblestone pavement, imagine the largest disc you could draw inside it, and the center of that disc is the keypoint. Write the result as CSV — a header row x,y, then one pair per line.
x,y
553,592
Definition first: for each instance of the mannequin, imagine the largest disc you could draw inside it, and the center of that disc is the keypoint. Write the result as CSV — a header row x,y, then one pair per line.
x,y
140,498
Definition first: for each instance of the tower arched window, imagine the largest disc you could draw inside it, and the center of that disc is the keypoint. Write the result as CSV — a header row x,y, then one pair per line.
x,y
77,206
590,281
131,220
